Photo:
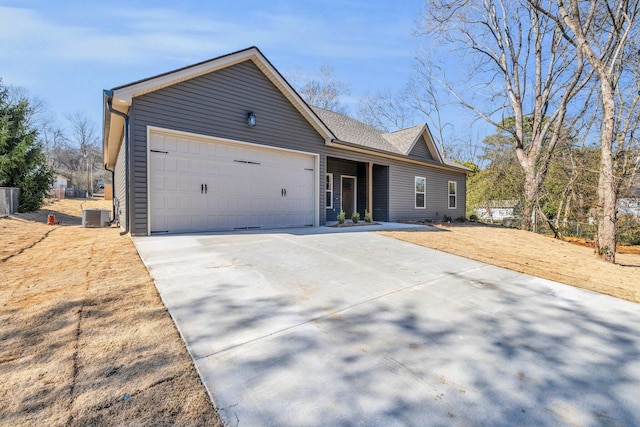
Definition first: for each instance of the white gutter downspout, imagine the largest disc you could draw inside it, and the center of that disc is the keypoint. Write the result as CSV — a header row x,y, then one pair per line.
x,y
108,95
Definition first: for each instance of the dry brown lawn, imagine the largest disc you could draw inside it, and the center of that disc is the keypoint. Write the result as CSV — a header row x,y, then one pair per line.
x,y
536,255
85,338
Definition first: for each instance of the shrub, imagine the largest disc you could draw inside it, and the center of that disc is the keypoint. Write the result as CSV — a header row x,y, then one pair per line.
x,y
629,232
473,217
355,217
367,216
461,219
446,218
341,217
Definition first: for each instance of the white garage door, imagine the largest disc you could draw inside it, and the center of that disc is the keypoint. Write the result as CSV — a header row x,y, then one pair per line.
x,y
208,185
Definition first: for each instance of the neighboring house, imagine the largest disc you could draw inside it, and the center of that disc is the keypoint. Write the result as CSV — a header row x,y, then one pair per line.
x,y
228,144
629,207
498,210
59,181
59,186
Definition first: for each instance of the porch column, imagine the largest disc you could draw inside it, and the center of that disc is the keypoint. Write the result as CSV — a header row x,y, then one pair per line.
x,y
370,188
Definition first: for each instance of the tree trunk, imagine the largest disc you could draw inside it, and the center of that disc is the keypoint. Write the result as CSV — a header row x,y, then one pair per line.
x,y
607,221
531,189
559,213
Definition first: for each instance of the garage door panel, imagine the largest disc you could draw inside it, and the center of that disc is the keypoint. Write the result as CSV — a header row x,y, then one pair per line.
x,y
194,167
245,186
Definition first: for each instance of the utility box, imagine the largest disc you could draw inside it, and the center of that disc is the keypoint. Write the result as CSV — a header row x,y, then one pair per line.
x,y
95,218
9,200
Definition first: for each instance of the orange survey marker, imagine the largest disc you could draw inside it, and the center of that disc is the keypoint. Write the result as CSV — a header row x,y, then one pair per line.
x,y
51,220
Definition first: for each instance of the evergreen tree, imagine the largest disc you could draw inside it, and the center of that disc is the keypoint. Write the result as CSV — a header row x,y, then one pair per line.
x,y
23,163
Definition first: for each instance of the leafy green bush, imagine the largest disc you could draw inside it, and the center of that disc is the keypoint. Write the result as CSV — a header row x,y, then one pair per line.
x,y
473,217
629,232
341,217
355,217
367,216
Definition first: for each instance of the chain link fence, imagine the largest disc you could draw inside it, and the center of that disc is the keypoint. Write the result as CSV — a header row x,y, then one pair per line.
x,y
628,229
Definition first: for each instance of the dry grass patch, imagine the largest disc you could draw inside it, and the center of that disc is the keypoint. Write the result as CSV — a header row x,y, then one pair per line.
x,y
534,254
82,326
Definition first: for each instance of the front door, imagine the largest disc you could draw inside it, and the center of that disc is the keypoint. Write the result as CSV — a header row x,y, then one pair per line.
x,y
348,196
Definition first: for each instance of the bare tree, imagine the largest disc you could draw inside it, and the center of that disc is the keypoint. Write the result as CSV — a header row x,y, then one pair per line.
x,y
418,101
386,110
321,89
82,156
525,69
602,32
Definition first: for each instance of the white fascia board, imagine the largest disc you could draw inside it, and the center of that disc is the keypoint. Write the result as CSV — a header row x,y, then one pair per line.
x,y
124,95
293,97
415,140
431,145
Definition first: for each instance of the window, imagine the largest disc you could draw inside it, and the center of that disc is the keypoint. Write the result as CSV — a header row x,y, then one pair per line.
x,y
421,196
329,191
453,194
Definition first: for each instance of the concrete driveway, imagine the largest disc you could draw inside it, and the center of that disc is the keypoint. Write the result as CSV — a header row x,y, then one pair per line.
x,y
312,327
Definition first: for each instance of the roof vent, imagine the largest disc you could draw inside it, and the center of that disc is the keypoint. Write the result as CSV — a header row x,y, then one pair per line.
x,y
95,218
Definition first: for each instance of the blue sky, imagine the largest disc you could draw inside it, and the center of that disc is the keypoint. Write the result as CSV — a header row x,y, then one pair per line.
x,y
66,52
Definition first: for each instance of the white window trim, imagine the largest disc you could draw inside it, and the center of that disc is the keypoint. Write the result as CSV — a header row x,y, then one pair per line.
x,y
416,192
455,194
329,177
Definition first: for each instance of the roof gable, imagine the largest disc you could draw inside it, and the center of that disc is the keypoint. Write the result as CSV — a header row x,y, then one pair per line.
x,y
404,139
425,137
401,142
121,97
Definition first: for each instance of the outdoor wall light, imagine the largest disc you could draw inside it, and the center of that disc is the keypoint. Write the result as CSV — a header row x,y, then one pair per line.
x,y
251,119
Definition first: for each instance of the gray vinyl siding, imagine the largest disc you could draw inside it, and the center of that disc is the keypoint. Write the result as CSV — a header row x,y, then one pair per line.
x,y
120,186
217,104
420,150
402,197
380,193
401,179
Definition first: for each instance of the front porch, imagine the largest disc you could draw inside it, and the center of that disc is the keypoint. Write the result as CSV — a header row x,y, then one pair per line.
x,y
355,187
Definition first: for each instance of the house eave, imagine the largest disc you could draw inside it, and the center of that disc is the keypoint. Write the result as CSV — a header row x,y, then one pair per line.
x,y
113,128
123,95
359,149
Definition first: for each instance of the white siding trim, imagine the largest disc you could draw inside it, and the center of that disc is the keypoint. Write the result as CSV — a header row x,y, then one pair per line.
x,y
455,194
328,177
416,192
355,191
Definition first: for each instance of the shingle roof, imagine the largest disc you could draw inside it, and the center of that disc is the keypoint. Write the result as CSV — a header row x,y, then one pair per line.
x,y
351,130
403,139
